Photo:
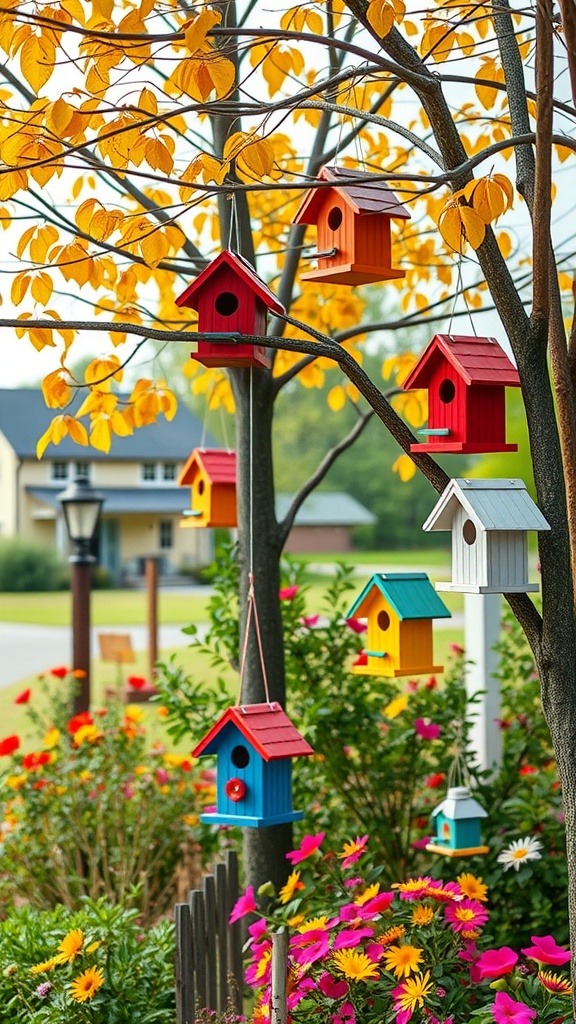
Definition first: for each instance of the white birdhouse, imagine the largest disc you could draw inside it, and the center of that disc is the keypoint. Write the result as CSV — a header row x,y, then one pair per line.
x,y
489,520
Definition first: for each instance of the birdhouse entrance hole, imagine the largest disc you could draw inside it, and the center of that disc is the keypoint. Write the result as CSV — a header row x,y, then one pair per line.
x,y
469,532
335,218
226,303
447,391
240,756
383,620
201,486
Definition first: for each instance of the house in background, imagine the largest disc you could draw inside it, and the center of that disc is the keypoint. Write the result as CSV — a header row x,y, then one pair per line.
x,y
139,479
324,522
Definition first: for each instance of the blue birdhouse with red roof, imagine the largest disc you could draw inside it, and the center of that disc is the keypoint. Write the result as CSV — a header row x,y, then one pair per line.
x,y
466,378
254,746
232,302
457,821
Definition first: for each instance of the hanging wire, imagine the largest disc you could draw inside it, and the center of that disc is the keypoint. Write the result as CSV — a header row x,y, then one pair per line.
x,y
458,773
233,230
460,291
252,614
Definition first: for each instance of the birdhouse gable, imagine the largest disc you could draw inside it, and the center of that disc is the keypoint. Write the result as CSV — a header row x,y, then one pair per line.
x,y
215,464
479,361
491,504
459,805
411,596
266,727
359,192
242,270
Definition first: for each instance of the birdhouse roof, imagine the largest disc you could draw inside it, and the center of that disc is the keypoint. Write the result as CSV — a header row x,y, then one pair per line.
x,y
243,270
265,726
491,504
459,805
410,594
361,192
477,360
218,464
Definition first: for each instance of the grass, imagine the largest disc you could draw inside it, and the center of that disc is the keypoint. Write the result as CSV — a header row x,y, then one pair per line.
x,y
109,608
418,558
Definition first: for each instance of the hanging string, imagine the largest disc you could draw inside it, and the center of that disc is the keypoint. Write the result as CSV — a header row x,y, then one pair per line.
x,y
233,226
461,291
252,613
458,773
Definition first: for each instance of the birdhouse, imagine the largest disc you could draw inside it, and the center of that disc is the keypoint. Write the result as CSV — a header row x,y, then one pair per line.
x,y
457,821
353,218
232,301
254,746
399,608
466,379
211,475
488,520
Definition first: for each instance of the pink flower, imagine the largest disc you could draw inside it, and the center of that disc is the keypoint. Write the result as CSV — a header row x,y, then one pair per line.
x,y
332,988
243,906
308,846
287,593
303,985
310,946
494,963
346,1015
162,776
506,1010
356,625
465,915
546,951
23,697
421,844
456,649
353,851
428,731
257,930
310,620
350,937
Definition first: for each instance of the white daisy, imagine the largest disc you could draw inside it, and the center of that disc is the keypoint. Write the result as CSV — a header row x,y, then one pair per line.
x,y
519,852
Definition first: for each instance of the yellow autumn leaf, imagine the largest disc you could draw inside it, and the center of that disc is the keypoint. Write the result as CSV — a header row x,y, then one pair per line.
x,y
120,424
37,61
19,288
398,366
336,398
474,227
101,432
59,116
404,467
380,16
41,287
56,389
412,405
196,31
565,281
102,371
59,428
504,243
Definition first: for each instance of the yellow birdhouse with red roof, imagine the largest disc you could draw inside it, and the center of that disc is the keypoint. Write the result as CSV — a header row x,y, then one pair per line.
x,y
211,475
399,608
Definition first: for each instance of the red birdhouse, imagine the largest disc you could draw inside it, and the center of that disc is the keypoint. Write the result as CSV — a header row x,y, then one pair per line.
x,y
232,301
353,222
465,378
211,475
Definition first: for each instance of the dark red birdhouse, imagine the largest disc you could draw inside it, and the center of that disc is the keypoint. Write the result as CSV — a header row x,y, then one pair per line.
x,y
353,223
466,379
232,302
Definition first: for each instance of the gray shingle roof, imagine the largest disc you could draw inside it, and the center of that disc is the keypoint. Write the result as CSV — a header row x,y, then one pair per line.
x,y
124,500
327,508
24,417
492,504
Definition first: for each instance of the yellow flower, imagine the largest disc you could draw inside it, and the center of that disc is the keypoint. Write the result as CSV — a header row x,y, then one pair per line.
x,y
296,921
46,965
87,732
473,887
355,966
368,894
413,992
141,769
422,915
397,932
16,781
313,923
70,946
191,819
261,1012
86,985
396,706
94,946
86,776
555,983
133,713
402,960
262,964
162,712
288,891
52,738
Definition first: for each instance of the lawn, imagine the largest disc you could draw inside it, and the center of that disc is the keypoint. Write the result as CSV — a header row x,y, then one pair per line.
x,y
109,608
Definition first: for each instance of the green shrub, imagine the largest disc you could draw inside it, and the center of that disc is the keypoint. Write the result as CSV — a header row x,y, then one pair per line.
x,y
29,567
94,966
94,811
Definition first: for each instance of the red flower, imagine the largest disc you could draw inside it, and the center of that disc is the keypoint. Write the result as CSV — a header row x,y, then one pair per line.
x,y
23,697
75,723
356,625
40,783
35,760
59,672
431,684
362,659
9,745
528,769
287,593
433,781
137,682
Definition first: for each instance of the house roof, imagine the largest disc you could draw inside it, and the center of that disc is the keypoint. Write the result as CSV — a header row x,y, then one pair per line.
x,y
121,500
491,504
24,417
362,193
477,360
459,805
411,595
244,271
327,508
265,726
218,464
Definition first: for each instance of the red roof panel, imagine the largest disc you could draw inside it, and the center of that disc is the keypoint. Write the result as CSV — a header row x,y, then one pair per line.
x,y
243,269
477,360
218,464
366,197
266,726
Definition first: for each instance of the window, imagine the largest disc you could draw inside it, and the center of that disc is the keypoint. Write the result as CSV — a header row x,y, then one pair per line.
x,y
59,470
149,471
169,471
166,534
81,470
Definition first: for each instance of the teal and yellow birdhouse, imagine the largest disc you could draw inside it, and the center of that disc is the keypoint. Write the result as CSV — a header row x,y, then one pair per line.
x,y
457,821
399,608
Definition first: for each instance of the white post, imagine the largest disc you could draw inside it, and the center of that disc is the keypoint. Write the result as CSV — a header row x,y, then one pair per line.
x,y
279,972
482,632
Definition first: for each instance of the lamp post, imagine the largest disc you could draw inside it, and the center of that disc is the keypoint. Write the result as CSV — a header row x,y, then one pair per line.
x,y
81,506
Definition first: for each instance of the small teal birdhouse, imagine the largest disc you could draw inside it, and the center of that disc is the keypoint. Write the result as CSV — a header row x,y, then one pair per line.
x,y
254,746
457,821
